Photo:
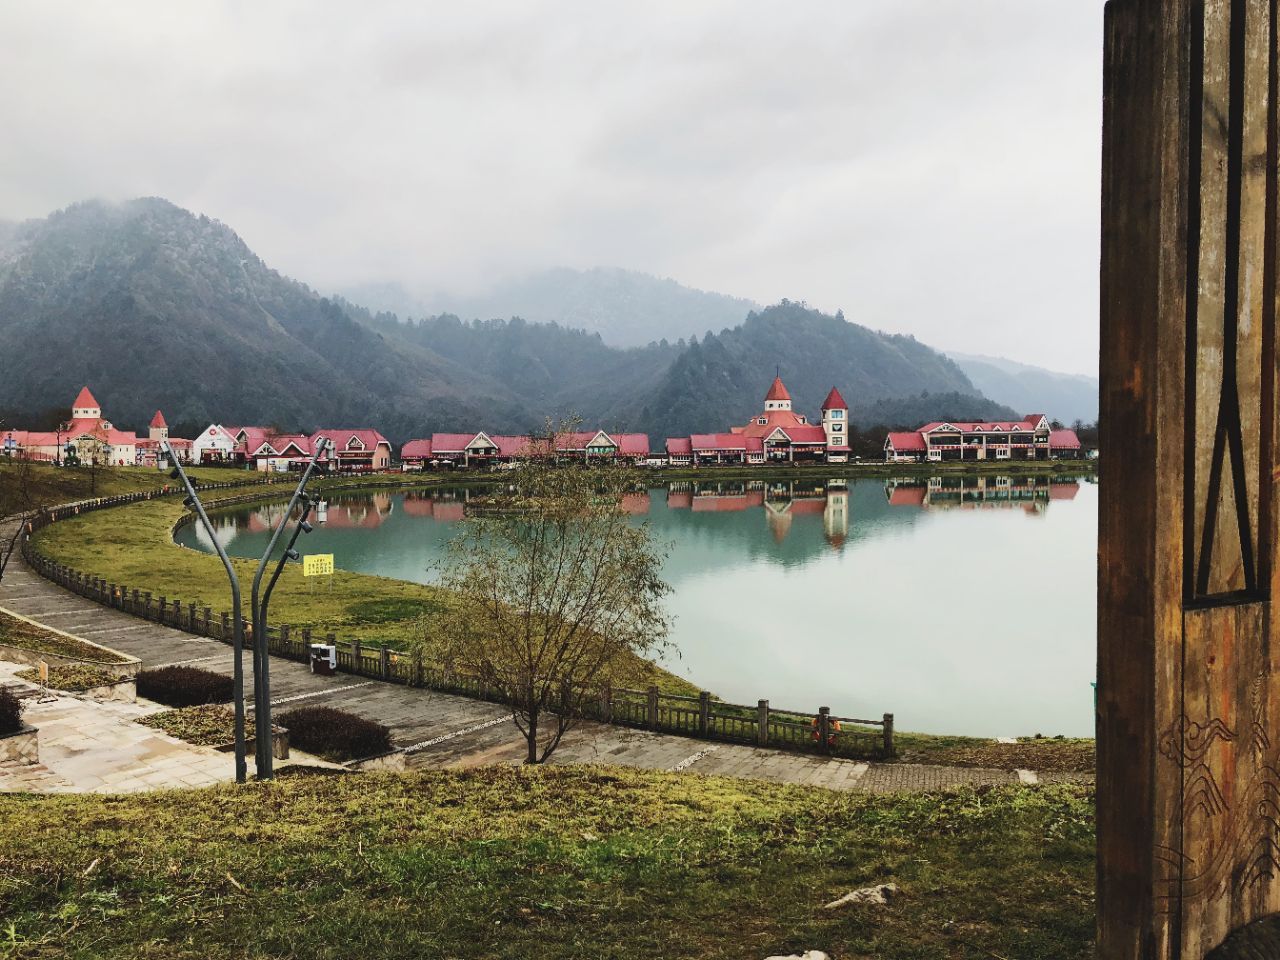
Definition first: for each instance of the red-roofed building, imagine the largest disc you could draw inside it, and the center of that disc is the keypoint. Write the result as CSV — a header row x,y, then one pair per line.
x,y
484,449
680,451
90,438
776,434
415,455
1027,439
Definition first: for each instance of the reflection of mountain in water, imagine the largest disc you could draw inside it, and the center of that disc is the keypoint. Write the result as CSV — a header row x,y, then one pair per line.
x,y
1031,494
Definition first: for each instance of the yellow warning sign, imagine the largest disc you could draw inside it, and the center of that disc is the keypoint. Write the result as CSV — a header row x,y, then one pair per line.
x,y
317,565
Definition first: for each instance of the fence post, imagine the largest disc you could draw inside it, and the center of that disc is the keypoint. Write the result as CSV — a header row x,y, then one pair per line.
x,y
332,641
191,617
162,608
888,734
208,617
136,602
226,626
606,702
146,605
824,729
653,708
704,713
417,668
762,723
384,661
357,656
284,639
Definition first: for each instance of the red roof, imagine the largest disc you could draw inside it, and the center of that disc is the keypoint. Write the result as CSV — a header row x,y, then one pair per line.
x,y
680,446
1063,440
632,444
777,391
834,401
158,420
415,449
904,442
772,420
451,442
85,399
806,433
718,441
365,440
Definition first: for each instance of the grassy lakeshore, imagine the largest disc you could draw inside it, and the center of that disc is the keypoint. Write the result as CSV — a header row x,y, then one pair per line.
x,y
521,864
133,545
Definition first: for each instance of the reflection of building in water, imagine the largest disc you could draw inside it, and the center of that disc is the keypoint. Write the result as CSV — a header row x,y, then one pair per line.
x,y
782,502
1033,494
835,517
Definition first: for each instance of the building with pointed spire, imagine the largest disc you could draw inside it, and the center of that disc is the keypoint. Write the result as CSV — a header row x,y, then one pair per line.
x,y
776,434
89,438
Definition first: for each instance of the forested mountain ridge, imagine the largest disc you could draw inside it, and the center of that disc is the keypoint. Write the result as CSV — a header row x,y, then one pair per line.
x,y
154,307
722,379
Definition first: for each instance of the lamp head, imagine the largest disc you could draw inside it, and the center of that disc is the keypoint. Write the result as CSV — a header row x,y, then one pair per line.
x,y
189,502
292,554
175,474
305,527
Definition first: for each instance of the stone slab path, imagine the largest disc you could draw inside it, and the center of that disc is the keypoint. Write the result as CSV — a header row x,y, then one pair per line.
x,y
437,730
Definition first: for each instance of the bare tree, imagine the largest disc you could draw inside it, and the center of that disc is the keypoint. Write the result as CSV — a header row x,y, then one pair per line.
x,y
553,591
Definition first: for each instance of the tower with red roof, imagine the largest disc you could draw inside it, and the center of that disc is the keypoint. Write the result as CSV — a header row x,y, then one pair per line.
x,y
835,424
159,430
86,407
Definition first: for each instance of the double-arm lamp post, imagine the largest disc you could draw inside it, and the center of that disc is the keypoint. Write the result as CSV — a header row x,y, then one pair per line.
x,y
261,652
237,634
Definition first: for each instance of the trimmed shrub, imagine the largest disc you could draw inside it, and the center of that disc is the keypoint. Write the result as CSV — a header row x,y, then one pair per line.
x,y
10,711
334,734
184,686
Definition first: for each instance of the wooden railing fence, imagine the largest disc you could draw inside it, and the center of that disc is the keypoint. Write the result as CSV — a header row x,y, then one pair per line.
x,y
701,717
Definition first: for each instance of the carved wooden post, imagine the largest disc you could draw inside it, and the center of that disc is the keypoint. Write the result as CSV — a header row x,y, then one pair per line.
x,y
1188,702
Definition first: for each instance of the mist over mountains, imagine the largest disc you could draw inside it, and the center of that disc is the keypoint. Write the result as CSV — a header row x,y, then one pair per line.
x,y
627,308
155,307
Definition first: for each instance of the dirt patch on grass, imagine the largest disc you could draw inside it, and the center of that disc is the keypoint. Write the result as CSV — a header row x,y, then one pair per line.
x,y
19,633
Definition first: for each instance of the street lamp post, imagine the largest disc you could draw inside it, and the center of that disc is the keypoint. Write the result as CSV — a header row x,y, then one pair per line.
x,y
262,653
237,641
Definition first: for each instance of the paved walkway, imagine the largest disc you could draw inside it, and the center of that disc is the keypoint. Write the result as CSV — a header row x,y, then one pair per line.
x,y
437,729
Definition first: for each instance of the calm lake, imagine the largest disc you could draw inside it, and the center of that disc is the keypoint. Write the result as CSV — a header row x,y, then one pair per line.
x,y
961,606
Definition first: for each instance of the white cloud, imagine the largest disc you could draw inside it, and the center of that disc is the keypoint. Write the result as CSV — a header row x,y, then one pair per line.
x,y
930,166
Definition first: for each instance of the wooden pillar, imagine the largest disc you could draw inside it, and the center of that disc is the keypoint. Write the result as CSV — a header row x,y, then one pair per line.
x,y
1188,701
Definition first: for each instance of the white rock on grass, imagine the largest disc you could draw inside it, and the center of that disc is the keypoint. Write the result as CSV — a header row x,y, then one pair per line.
x,y
807,955
877,896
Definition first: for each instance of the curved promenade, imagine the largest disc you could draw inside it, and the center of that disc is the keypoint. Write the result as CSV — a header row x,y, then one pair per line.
x,y
437,729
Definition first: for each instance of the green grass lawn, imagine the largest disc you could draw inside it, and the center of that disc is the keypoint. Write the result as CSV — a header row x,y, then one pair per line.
x,y
534,864
133,546
50,486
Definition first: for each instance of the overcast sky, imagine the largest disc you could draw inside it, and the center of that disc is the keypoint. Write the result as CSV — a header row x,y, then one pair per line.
x,y
929,166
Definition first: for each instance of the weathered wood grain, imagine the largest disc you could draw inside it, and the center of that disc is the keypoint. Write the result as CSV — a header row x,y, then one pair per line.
x,y
1189,710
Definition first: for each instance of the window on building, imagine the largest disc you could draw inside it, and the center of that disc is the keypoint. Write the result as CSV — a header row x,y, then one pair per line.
x,y
837,427
837,414
763,421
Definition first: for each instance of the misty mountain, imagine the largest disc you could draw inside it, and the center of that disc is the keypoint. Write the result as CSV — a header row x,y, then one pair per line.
x,y
627,309
1062,396
154,307
721,381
